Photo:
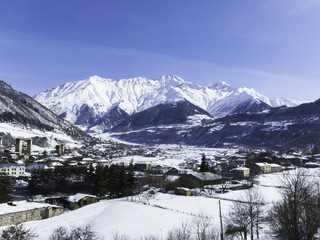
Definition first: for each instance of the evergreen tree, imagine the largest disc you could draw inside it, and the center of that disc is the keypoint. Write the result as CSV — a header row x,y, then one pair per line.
x,y
101,180
5,188
131,179
112,181
204,167
122,183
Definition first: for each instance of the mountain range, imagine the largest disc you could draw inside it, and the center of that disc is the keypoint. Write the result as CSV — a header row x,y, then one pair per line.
x,y
167,110
99,104
278,128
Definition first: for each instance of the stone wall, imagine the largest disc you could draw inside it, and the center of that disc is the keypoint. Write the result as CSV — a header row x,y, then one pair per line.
x,y
53,211
29,215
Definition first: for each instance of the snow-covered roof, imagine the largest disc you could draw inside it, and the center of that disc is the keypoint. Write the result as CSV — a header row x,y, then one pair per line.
x,y
274,165
36,166
206,176
11,165
172,178
183,188
20,206
142,162
20,162
240,169
290,157
78,197
262,164
56,164
103,161
312,164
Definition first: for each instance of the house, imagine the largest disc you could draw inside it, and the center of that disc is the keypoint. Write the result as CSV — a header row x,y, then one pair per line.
x,y
79,200
195,179
142,166
13,213
182,191
311,165
159,170
104,162
15,170
263,167
268,167
60,201
172,171
275,167
241,172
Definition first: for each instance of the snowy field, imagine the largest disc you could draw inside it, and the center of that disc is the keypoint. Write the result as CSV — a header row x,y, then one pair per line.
x,y
173,155
140,216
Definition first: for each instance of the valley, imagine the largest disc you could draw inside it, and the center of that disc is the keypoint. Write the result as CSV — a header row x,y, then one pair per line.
x,y
173,160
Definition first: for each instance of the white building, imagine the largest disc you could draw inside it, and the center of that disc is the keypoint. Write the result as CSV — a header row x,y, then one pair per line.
x,y
13,169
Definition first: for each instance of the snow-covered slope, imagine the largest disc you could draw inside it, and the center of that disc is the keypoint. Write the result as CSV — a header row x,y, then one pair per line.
x,y
160,213
86,102
22,116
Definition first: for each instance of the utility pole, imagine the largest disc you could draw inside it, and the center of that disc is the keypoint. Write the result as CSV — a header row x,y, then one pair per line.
x,y
221,221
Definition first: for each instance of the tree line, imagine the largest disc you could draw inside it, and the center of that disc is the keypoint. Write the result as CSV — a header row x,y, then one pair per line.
x,y
113,181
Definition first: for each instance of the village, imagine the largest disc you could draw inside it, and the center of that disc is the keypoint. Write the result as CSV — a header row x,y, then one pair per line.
x,y
170,169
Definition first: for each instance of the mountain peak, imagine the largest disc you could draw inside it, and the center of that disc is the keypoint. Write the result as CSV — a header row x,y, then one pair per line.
x,y
220,85
96,78
172,78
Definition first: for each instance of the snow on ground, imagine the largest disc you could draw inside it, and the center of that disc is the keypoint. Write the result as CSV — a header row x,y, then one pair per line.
x,y
114,216
156,214
173,155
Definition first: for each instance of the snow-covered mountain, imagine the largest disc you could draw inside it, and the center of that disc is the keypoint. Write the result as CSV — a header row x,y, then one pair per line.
x,y
167,122
87,103
278,128
22,116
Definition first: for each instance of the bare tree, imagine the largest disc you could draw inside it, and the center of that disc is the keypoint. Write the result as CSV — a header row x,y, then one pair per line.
x,y
151,237
117,236
17,232
247,214
76,233
182,233
238,220
61,233
202,228
297,215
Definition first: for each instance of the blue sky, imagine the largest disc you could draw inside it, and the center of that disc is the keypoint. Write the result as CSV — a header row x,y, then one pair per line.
x,y
270,45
